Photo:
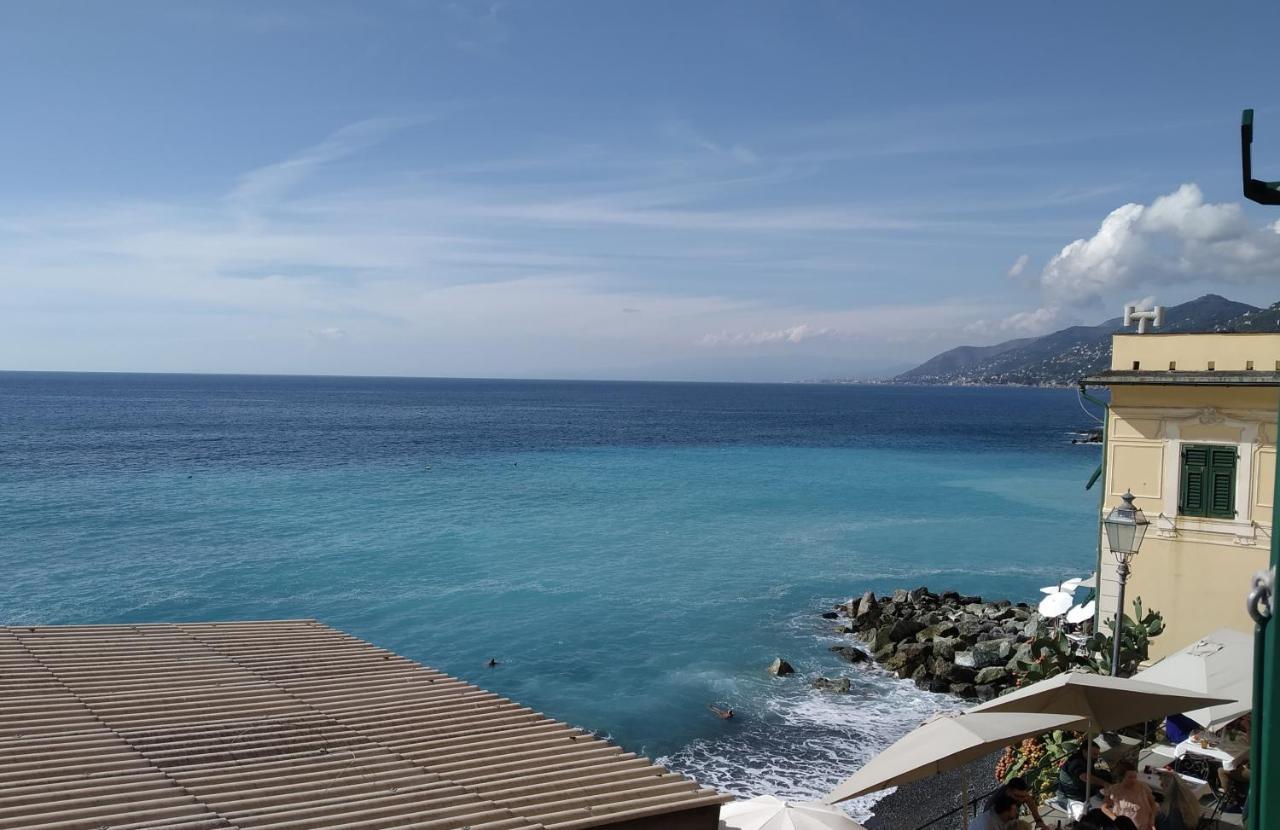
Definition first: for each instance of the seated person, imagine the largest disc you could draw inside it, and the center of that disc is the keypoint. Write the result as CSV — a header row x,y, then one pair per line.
x,y
1179,727
1017,789
1073,774
1130,798
999,814
1179,810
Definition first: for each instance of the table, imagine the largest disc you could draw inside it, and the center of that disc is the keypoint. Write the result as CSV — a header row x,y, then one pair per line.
x,y
1228,753
1198,786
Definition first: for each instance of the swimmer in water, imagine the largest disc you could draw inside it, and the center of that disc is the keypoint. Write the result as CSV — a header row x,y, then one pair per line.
x,y
492,663
723,714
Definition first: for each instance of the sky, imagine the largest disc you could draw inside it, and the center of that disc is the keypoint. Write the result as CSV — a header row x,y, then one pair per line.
x,y
689,190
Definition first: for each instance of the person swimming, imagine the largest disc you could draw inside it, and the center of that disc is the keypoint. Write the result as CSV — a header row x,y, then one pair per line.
x,y
492,663
723,714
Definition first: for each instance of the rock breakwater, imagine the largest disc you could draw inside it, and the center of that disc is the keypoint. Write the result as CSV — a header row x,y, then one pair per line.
x,y
948,642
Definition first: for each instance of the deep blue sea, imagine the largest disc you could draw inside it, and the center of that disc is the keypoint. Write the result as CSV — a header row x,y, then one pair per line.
x,y
629,552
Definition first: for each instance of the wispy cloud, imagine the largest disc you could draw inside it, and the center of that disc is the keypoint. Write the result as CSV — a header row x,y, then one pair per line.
x,y
791,334
264,185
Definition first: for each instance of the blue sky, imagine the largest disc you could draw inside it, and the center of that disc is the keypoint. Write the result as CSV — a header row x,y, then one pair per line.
x,y
683,190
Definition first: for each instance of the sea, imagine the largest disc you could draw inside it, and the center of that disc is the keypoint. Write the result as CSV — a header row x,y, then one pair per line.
x,y
629,553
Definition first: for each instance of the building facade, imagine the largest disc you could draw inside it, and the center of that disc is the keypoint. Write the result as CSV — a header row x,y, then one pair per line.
x,y
1191,430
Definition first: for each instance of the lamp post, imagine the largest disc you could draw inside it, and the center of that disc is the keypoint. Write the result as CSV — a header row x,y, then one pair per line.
x,y
1126,525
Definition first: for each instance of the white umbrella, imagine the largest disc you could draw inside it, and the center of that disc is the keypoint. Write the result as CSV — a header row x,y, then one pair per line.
x,y
1055,605
946,742
1221,665
1081,613
769,813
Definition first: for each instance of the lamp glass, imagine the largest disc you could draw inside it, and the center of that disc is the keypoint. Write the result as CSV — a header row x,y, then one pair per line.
x,y
1126,526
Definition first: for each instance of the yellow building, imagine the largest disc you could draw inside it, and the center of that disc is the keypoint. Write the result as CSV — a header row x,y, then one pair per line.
x,y
1191,430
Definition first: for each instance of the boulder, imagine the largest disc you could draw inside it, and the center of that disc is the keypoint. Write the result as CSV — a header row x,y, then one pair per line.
x,y
837,685
915,652
960,674
939,686
946,629
945,647
850,653
950,596
885,652
990,653
900,596
985,693
867,607
921,677
966,600
963,690
830,615
921,593
965,658
992,676
780,668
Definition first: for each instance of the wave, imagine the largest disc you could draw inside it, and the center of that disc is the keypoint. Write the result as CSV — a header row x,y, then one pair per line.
x,y
798,743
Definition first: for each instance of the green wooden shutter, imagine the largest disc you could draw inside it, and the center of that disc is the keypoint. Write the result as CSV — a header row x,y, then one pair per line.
x,y
1208,484
1194,480
1221,495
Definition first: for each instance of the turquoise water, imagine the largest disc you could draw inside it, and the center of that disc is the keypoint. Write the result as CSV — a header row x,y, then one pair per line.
x,y
630,553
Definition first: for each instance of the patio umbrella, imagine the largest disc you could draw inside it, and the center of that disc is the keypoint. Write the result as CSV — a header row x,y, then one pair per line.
x,y
769,813
1104,702
1221,665
1101,702
946,742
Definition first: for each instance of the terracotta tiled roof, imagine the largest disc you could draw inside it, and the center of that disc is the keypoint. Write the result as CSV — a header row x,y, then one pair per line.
x,y
289,725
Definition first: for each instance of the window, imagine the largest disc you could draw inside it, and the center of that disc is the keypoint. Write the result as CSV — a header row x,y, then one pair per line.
x,y
1208,484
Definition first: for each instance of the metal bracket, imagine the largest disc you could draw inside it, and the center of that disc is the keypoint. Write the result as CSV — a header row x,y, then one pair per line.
x,y
1259,604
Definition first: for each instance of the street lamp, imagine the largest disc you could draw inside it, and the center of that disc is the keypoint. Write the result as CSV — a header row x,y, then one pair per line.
x,y
1126,525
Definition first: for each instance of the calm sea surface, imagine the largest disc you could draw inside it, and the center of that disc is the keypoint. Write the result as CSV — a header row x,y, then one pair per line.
x,y
630,552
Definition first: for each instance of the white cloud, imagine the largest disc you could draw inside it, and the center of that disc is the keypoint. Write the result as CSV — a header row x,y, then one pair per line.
x,y
793,334
1177,238
329,333
272,181
1021,324
1019,266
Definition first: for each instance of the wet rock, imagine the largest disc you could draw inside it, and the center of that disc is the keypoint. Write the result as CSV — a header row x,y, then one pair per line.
x,y
885,652
830,615
852,654
985,693
937,685
965,658
966,690
780,668
835,685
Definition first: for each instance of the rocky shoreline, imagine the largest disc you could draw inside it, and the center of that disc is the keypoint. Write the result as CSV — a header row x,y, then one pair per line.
x,y
949,643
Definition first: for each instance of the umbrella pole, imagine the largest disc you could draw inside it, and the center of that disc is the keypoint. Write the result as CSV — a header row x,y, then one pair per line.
x,y
964,801
1088,770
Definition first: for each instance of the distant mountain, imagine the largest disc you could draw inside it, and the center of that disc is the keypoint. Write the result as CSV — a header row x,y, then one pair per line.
x,y
1063,357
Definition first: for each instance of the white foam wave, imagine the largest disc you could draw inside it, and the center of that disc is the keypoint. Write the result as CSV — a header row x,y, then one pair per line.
x,y
804,742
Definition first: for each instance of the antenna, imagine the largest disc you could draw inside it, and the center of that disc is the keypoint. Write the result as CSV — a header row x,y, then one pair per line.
x,y
1154,316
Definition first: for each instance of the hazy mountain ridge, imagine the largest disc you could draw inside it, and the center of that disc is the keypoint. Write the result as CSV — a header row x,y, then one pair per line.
x,y
1062,357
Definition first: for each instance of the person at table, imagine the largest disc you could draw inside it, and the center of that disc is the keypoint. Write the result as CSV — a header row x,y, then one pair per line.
x,y
1017,789
1130,798
1073,775
999,814
1179,810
